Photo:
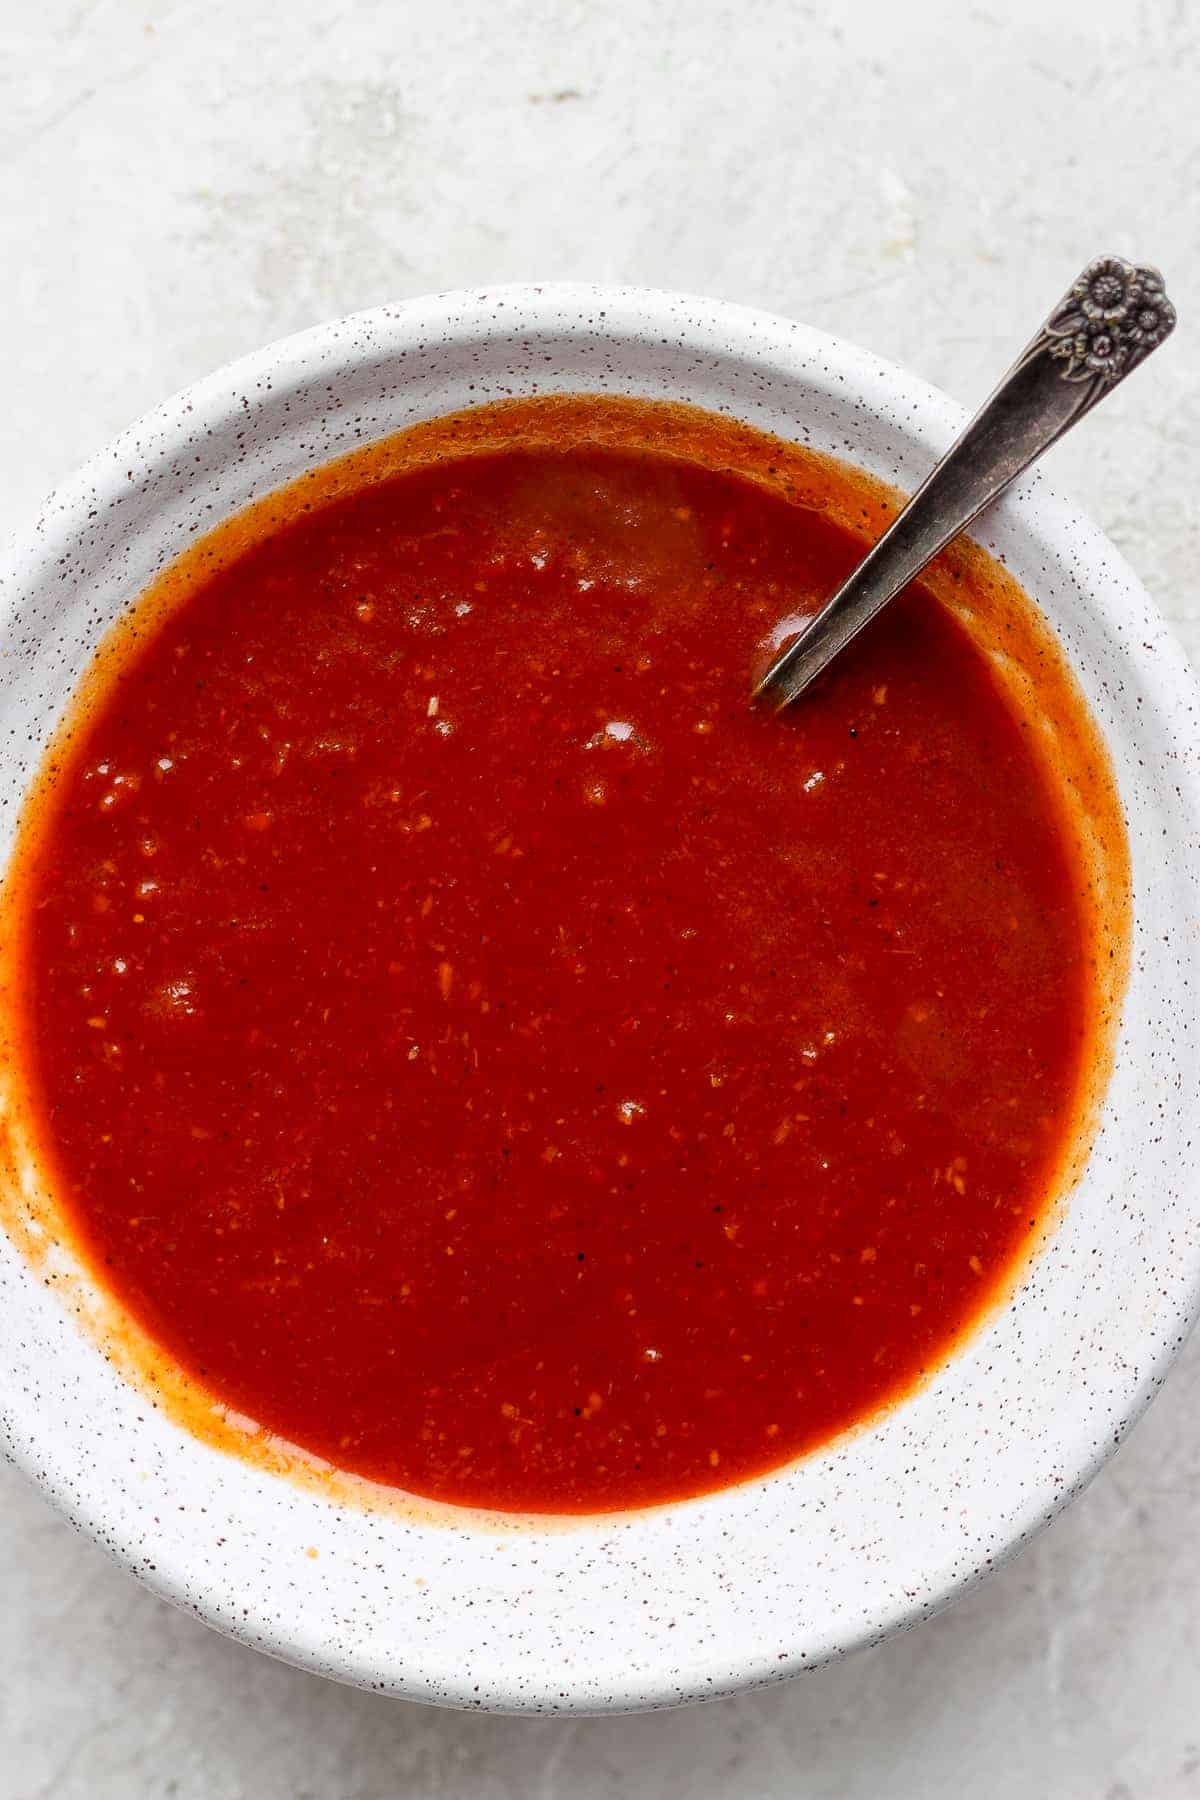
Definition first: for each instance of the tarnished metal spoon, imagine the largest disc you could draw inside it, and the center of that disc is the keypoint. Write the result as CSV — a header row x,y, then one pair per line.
x,y
1108,322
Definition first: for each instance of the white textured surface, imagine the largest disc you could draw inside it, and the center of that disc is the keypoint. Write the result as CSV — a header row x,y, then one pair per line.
x,y
179,183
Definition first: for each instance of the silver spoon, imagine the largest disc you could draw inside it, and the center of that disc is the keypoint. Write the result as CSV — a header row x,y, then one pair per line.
x,y
1108,322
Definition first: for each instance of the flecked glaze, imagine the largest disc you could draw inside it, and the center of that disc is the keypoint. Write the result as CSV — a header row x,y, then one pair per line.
x,y
761,1581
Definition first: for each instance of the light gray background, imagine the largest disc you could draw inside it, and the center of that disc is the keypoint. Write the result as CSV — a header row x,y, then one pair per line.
x,y
182,182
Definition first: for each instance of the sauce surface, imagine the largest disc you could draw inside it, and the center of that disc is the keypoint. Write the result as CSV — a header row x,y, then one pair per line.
x,y
484,1052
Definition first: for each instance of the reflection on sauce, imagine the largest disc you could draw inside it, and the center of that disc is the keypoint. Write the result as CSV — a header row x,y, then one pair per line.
x,y
481,1049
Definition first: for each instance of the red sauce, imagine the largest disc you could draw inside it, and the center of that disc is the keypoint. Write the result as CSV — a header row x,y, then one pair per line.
x,y
480,1048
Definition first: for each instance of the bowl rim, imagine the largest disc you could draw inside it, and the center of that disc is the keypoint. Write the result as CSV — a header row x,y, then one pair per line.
x,y
1033,506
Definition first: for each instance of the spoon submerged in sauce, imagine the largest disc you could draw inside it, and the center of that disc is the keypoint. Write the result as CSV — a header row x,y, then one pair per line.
x,y
1108,322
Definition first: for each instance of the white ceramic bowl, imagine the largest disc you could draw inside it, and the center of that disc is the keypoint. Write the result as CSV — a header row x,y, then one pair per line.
x,y
694,1600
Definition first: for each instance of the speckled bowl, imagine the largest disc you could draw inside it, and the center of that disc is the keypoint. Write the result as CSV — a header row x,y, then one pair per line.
x,y
777,1576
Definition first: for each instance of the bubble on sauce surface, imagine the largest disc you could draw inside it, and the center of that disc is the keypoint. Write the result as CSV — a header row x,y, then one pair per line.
x,y
174,999
619,734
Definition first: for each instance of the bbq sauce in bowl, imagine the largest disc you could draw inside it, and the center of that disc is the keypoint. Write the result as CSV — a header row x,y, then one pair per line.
x,y
478,1048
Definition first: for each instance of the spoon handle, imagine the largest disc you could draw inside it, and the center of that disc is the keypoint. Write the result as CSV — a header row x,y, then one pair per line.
x,y
1105,325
